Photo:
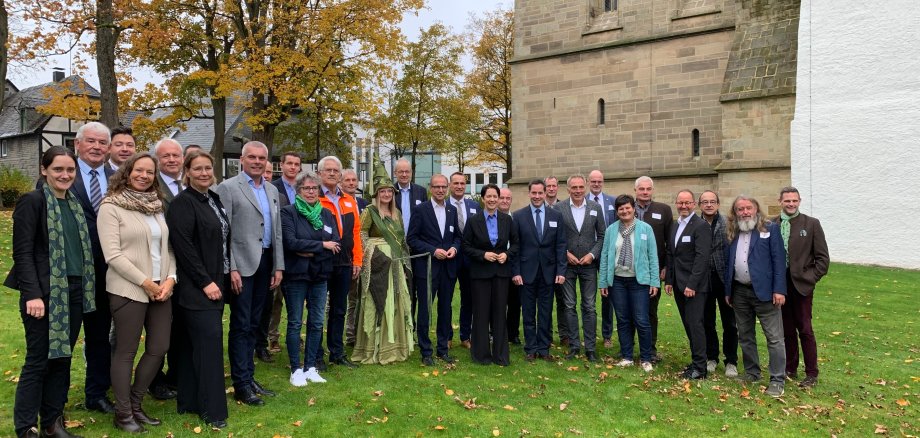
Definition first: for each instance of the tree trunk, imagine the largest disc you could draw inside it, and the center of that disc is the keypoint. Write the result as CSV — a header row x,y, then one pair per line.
x,y
106,34
220,123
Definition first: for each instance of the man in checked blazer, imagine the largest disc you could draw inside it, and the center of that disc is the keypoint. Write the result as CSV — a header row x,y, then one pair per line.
x,y
539,265
584,225
256,263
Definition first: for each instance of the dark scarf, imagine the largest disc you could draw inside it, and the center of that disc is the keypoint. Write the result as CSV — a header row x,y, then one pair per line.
x,y
59,296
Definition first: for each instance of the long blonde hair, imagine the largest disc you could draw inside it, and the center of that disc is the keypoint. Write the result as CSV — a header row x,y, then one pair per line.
x,y
732,229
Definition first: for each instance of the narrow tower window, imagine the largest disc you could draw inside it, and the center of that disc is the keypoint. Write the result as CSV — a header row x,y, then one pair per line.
x,y
600,111
696,142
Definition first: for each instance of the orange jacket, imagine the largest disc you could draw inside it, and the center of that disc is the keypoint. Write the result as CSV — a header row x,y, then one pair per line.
x,y
349,228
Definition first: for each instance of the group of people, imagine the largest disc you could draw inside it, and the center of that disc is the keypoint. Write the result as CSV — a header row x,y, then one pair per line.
x,y
121,243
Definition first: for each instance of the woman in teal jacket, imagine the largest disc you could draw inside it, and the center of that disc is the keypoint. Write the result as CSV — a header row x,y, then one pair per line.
x,y
629,274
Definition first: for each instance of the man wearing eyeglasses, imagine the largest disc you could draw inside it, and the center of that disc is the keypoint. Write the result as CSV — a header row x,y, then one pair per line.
x,y
688,251
709,211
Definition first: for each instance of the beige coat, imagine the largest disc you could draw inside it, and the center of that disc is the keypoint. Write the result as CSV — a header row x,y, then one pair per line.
x,y
125,239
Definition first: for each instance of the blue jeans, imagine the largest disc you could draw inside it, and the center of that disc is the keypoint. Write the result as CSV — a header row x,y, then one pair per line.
x,y
296,294
630,301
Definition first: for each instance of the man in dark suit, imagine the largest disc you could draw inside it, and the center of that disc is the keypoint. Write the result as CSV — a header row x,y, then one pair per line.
x,y
689,249
606,203
807,262
709,211
256,263
584,227
513,315
659,216
349,185
89,187
466,208
169,156
408,193
755,285
540,264
434,230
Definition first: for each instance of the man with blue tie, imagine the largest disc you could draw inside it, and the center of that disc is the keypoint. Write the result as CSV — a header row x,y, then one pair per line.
x,y
408,195
466,208
539,265
434,230
89,187
605,202
755,286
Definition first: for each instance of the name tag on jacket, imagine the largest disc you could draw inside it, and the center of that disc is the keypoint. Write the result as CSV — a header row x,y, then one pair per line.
x,y
644,236
656,215
593,213
327,229
552,224
764,234
685,239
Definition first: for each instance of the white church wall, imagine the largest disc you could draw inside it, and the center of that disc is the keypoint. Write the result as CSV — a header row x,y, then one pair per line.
x,y
856,132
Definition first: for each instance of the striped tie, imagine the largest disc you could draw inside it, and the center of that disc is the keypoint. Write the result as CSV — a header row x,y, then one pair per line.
x,y
95,192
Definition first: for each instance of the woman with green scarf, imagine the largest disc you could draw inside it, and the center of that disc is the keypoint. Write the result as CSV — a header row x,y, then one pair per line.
x,y
53,271
384,324
311,238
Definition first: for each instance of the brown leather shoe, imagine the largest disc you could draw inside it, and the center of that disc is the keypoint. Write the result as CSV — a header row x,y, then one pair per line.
x,y
57,430
142,416
465,344
274,347
608,343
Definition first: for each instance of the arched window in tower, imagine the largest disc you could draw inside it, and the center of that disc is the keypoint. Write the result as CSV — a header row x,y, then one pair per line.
x,y
696,143
610,5
600,111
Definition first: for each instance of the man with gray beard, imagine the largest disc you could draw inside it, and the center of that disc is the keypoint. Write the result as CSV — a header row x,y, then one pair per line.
x,y
755,285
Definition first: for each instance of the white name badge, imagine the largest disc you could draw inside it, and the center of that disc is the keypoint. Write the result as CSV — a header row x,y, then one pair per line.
x,y
552,224
644,236
348,204
656,215
451,228
327,229
609,207
685,239
417,202
593,213
765,235
472,211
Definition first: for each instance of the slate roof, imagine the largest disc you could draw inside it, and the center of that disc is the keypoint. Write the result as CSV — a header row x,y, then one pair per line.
x,y
28,99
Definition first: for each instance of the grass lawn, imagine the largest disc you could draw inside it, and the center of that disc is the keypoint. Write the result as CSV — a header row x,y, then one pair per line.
x,y
866,321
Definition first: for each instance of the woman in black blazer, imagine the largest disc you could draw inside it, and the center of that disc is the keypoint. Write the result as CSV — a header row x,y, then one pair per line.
x,y
53,271
199,232
311,238
489,257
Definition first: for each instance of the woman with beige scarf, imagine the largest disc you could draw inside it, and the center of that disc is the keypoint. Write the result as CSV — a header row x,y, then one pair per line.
x,y
140,280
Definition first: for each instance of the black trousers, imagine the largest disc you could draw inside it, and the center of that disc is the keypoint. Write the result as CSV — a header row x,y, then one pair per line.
x,y
43,383
442,294
490,302
562,320
199,356
514,311
97,326
691,314
716,297
653,320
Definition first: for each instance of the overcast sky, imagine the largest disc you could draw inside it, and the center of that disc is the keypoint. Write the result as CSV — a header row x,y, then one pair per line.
x,y
453,13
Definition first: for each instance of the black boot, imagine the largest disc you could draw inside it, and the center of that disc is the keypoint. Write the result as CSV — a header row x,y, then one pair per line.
x,y
137,409
127,423
57,430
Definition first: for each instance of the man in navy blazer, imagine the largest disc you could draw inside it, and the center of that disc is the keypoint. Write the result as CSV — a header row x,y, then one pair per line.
x,y
755,285
466,208
539,265
408,193
433,230
92,145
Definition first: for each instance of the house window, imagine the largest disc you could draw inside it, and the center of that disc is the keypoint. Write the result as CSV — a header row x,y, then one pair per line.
x,y
69,143
610,5
600,111
4,149
696,143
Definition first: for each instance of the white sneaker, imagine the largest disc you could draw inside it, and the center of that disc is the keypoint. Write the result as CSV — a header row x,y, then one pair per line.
x,y
298,378
711,365
313,376
647,367
731,370
625,363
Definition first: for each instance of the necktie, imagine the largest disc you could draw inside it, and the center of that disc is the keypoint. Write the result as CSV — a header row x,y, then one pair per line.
x,y
597,199
539,226
178,187
95,192
460,213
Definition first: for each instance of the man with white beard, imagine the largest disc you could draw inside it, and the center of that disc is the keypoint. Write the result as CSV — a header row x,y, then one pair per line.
x,y
755,285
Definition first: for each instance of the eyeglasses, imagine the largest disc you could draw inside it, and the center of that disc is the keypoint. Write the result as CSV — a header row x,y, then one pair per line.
x,y
309,188
684,203
709,202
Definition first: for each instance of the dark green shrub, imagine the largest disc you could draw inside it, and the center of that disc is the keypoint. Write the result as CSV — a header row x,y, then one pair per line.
x,y
13,184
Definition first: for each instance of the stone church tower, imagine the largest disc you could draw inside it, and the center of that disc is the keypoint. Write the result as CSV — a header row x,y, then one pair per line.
x,y
697,94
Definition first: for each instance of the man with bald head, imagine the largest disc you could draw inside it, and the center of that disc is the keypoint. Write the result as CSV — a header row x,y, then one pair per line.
x,y
408,193
606,203
659,216
513,317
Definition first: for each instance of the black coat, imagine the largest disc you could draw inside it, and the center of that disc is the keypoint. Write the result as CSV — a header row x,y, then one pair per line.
x,y
300,237
195,235
476,243
31,272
